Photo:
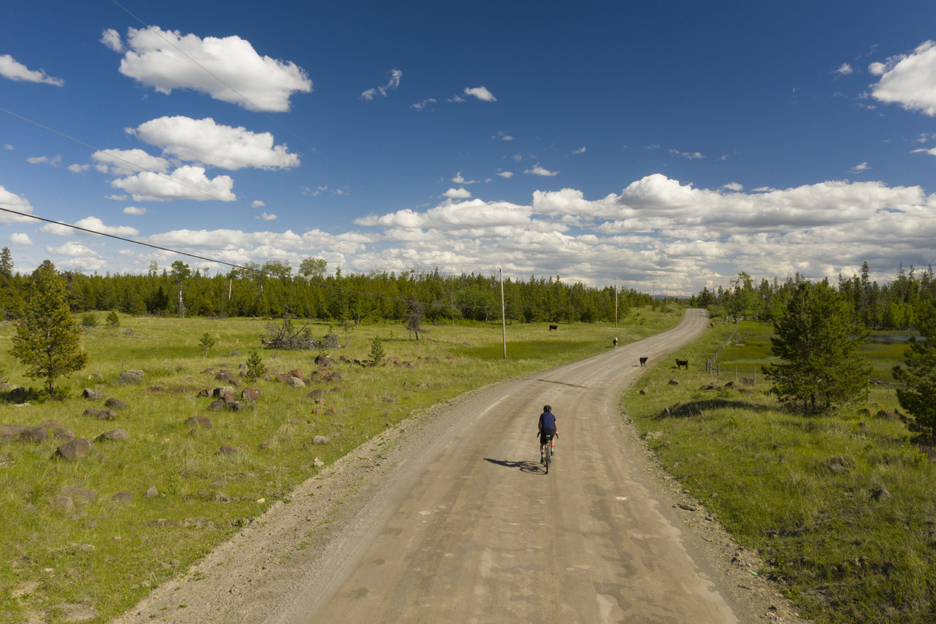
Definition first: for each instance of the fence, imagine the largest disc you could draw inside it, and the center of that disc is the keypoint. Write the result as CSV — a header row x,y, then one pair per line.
x,y
711,364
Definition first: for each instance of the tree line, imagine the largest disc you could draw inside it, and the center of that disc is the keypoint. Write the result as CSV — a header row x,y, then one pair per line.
x,y
273,289
899,304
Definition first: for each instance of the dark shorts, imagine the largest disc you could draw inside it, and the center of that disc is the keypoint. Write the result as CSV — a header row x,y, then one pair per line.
x,y
546,435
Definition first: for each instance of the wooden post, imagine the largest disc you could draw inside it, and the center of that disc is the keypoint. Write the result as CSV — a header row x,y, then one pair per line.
x,y
503,314
615,302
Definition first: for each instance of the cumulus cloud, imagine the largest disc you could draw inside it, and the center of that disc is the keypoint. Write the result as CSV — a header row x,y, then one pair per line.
x,y
267,217
133,210
423,103
76,168
205,142
481,93
127,162
458,179
89,223
733,186
162,59
908,79
457,193
45,160
257,204
17,203
20,239
394,76
188,182
10,68
73,249
111,38
844,70
540,171
505,174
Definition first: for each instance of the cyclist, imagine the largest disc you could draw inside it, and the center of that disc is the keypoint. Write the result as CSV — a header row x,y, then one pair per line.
x,y
547,431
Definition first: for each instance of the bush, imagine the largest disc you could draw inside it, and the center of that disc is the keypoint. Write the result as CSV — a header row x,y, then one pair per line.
x,y
89,320
255,366
113,321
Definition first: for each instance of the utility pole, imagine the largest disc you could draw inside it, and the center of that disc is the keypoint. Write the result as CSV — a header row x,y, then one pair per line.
x,y
503,314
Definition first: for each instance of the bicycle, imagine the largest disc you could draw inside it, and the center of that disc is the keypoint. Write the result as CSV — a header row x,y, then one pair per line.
x,y
548,455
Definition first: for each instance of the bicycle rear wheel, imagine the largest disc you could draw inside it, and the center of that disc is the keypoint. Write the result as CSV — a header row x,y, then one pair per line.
x,y
548,453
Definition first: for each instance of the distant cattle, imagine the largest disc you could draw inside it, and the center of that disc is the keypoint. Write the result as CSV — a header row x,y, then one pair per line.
x,y
615,342
643,361
553,327
681,363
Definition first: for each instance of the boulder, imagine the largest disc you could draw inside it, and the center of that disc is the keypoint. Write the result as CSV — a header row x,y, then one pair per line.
x,y
335,377
107,415
319,439
200,421
96,376
316,395
114,404
295,382
322,360
216,405
297,373
236,405
78,494
152,492
61,505
122,497
251,394
76,449
8,432
131,377
93,395
887,415
282,378
880,494
229,450
674,382
63,434
205,392
33,434
644,391
220,391
114,435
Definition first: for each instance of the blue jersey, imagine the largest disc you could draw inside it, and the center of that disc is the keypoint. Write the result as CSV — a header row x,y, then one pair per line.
x,y
547,421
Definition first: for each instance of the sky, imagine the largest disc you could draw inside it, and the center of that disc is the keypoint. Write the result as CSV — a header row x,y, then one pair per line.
x,y
662,145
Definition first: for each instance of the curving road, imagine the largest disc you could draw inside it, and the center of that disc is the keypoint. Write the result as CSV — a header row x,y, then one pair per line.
x,y
471,530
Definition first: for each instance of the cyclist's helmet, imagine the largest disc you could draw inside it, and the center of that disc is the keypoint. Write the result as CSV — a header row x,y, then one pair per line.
x,y
547,408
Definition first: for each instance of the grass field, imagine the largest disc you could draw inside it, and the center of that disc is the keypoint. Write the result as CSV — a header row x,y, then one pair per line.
x,y
105,554
806,492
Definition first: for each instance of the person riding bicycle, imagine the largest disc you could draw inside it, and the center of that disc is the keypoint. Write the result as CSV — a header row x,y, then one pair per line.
x,y
547,431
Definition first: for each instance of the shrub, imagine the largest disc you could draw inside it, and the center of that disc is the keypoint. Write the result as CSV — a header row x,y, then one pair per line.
x,y
89,320
255,366
113,321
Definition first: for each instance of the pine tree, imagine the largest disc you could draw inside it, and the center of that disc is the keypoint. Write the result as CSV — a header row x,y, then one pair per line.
x,y
919,397
206,342
47,341
113,321
376,351
255,367
817,338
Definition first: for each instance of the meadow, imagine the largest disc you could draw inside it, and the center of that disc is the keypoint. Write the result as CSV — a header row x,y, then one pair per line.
x,y
103,554
841,507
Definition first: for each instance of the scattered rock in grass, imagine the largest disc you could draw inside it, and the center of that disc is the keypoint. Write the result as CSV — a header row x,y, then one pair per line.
x,y
92,395
114,404
746,381
113,435
653,435
710,386
62,505
209,371
220,483
667,412
276,356
345,359
33,434
242,366
95,376
319,439
297,421
235,406
334,377
131,377
78,494
229,450
282,378
204,392
221,497
880,494
295,382
122,497
644,391
863,425
106,415
200,421
839,464
368,395
686,506
251,394
388,399
156,389
152,492
331,410
674,382
220,391
316,395
65,435
887,415
216,405
30,509
318,463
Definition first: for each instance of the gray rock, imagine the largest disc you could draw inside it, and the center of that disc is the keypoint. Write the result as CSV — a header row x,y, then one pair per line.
x,y
106,415
34,434
76,449
65,435
114,404
92,395
674,382
321,439
79,494
200,421
222,390
644,391
295,382
229,450
251,394
95,376
62,505
152,492
880,494
30,509
122,497
131,377
116,434
216,405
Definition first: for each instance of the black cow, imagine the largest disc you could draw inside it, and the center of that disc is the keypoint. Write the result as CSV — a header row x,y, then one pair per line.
x,y
553,327
643,361
681,363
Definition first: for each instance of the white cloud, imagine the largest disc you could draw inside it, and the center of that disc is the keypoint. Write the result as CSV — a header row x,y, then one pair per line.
x,y
116,197
540,171
73,249
457,193
76,168
20,239
505,174
36,160
844,70
423,103
931,152
481,93
507,137
128,162
18,203
89,223
205,142
133,210
8,146
13,70
111,38
859,168
267,217
162,59
689,155
394,76
579,151
458,179
257,204
733,186
517,157
908,79
186,182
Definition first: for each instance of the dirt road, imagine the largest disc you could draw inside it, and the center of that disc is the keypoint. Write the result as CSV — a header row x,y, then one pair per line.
x,y
459,523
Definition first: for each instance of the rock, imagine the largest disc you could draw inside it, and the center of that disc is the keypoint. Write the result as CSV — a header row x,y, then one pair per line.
x,y
76,449
236,405
242,366
64,435
709,387
316,395
318,463
880,494
200,421
222,390
122,497
107,415
368,395
644,391
251,394
746,381
229,450
96,376
276,356
91,412
78,494
221,497
114,404
295,382
209,371
674,382
30,509
62,505
216,405
321,439
131,377
17,393
115,435
887,415
33,434
156,389
297,373
331,410
219,484
334,377
204,392
92,395
152,492
282,378
730,384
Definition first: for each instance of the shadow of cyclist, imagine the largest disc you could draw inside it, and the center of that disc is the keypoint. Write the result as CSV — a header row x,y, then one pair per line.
x,y
523,466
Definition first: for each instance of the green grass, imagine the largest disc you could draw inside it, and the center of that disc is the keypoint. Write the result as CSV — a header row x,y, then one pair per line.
x,y
109,555
799,488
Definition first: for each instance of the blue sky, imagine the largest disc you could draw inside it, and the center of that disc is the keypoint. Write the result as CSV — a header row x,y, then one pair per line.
x,y
666,144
